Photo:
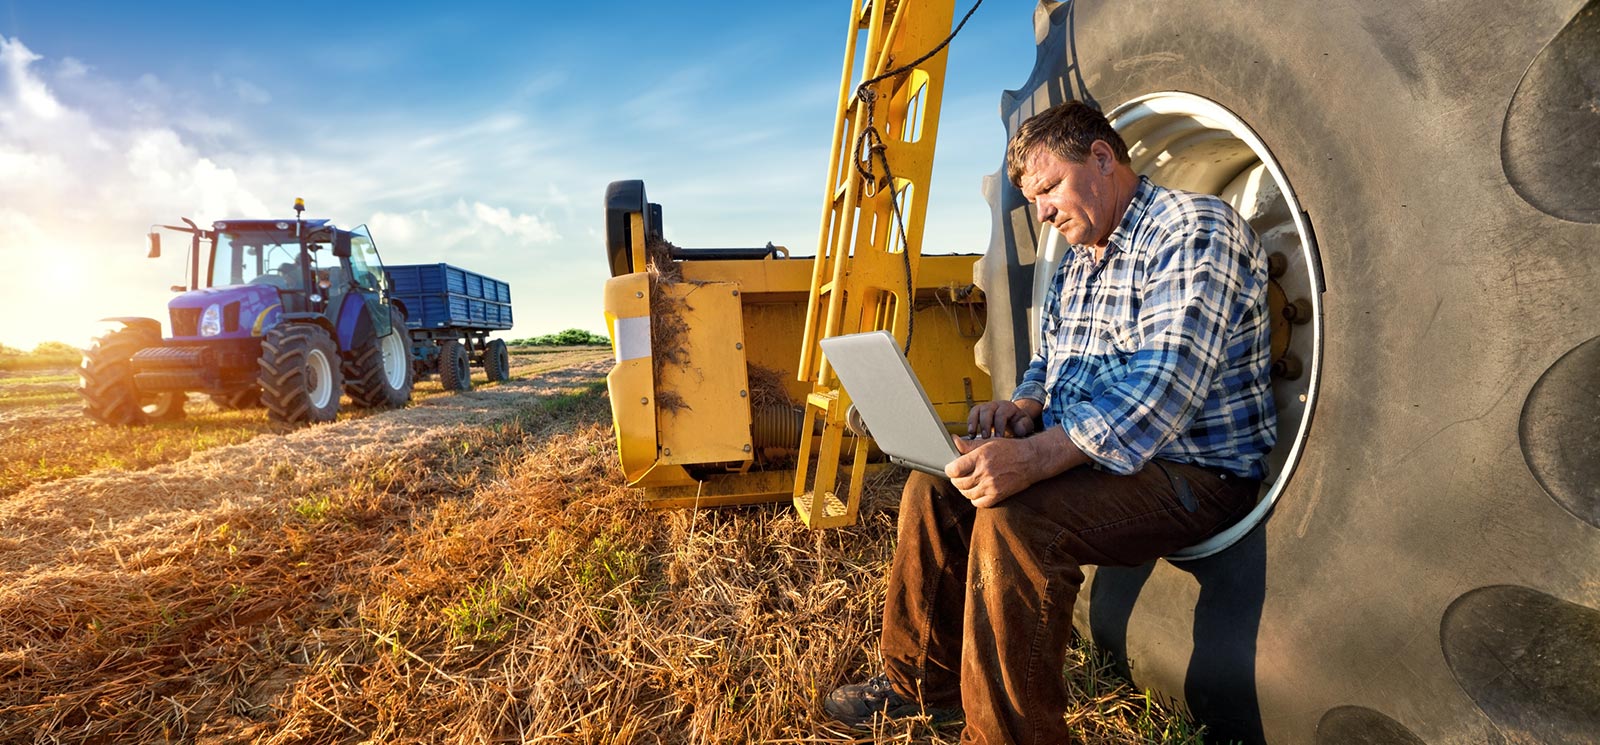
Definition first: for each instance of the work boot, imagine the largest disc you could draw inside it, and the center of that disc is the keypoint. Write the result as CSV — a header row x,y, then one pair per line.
x,y
859,703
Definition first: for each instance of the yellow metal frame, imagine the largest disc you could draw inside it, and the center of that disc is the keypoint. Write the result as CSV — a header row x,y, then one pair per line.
x,y
858,280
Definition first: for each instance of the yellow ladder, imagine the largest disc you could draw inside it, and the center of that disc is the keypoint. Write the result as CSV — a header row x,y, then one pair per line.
x,y
864,276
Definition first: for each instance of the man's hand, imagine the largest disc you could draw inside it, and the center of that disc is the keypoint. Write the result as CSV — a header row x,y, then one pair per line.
x,y
1004,418
990,471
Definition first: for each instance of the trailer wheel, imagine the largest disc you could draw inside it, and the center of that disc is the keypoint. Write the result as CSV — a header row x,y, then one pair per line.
x,y
497,361
378,373
299,380
1429,568
105,380
248,398
455,366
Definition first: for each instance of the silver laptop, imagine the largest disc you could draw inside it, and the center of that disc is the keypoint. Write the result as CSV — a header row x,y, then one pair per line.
x,y
891,400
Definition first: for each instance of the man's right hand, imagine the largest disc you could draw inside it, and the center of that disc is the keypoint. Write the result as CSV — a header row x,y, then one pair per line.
x,y
1001,418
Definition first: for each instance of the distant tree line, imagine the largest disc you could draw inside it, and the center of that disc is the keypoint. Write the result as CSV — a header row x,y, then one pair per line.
x,y
568,338
47,354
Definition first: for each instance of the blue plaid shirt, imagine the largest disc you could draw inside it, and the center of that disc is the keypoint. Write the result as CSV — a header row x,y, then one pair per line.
x,y
1161,349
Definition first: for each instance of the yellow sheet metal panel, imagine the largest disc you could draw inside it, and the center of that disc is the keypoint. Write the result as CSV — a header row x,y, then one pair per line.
x,y
627,309
663,475
781,276
703,411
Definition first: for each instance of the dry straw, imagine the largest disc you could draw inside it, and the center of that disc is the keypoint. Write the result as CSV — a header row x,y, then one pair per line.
x,y
467,570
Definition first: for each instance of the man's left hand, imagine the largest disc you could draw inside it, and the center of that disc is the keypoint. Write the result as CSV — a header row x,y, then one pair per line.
x,y
989,471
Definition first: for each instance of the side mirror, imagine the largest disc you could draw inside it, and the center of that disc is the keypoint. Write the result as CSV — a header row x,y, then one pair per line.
x,y
155,245
341,244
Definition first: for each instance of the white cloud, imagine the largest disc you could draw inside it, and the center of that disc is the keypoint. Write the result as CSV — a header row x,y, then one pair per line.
x,y
79,188
72,69
463,231
18,233
28,92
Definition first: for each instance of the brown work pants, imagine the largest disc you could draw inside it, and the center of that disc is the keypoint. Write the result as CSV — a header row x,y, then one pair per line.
x,y
979,607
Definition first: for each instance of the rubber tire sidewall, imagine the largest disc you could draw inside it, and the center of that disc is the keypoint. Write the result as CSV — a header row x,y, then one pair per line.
x,y
105,376
455,370
365,380
284,361
497,361
1412,491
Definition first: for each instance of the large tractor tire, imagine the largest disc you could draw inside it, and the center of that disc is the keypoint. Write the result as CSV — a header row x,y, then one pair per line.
x,y
105,380
249,398
378,373
455,366
497,361
1425,563
299,374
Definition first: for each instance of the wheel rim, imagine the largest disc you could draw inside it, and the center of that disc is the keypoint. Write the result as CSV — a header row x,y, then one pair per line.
x,y
157,404
319,378
1184,141
395,360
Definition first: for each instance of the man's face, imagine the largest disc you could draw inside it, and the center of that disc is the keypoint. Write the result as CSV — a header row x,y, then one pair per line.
x,y
1076,198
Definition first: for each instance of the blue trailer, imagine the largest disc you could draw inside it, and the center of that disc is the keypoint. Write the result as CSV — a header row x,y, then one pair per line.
x,y
450,312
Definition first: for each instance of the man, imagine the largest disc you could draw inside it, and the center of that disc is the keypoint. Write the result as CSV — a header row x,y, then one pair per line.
x,y
1139,429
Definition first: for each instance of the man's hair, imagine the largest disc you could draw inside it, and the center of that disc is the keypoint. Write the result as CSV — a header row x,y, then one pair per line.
x,y
1066,131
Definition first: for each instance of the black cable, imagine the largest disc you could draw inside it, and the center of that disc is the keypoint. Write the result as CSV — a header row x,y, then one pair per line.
x,y
866,95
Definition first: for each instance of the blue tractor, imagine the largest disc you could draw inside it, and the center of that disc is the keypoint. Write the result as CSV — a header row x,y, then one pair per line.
x,y
281,314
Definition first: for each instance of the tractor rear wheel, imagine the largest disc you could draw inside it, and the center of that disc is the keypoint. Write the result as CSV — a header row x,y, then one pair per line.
x,y
248,398
106,381
378,373
299,380
497,361
455,366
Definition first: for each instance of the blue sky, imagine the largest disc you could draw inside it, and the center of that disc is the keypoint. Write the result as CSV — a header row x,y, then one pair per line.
x,y
478,134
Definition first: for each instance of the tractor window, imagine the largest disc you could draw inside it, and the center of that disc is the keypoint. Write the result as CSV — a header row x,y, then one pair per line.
x,y
364,261
256,258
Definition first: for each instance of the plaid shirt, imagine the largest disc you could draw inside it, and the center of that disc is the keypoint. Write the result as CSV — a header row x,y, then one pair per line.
x,y
1161,350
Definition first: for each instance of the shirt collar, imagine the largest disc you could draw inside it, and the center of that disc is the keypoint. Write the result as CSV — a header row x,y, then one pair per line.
x,y
1143,192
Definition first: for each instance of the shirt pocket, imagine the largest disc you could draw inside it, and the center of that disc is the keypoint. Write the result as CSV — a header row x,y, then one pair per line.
x,y
1121,332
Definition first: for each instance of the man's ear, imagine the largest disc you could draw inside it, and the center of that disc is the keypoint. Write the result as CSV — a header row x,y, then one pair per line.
x,y
1104,160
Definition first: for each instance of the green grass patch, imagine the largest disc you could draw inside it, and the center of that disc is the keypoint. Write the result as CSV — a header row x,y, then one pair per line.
x,y
480,616
17,400
69,379
313,509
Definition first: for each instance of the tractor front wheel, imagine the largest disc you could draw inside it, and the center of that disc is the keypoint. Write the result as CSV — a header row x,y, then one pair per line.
x,y
105,380
455,366
299,375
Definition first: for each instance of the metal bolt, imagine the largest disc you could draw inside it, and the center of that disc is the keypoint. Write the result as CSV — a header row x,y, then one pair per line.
x,y
644,401
738,345
1288,367
747,448
742,394
1298,311
638,294
1277,264
666,451
735,293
